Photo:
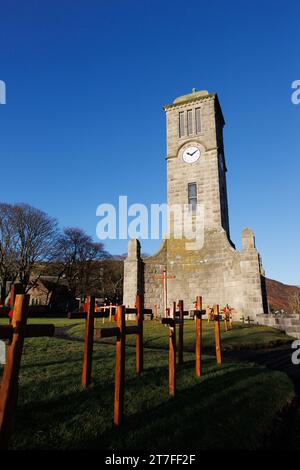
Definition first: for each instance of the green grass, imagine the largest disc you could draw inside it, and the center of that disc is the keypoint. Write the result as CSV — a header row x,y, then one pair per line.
x,y
57,321
233,406
241,337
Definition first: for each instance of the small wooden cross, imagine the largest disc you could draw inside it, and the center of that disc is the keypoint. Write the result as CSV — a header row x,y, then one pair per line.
x,y
217,334
120,332
226,318
90,315
110,308
171,322
16,333
90,329
227,315
180,315
210,313
248,320
138,330
198,348
165,278
15,290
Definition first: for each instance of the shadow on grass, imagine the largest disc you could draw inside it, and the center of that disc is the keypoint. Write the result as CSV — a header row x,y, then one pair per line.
x,y
207,414
201,416
275,359
229,407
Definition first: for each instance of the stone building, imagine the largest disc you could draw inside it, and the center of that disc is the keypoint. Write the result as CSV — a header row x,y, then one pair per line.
x,y
196,175
50,292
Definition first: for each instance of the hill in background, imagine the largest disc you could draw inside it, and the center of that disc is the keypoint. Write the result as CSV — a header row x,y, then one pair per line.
x,y
279,294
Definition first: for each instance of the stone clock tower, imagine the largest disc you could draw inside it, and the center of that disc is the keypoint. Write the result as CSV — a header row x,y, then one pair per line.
x,y
196,177
196,166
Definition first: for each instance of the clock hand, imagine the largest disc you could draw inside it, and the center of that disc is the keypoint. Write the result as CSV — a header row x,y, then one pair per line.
x,y
191,154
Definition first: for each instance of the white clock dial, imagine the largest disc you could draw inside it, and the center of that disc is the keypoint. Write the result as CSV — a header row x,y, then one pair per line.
x,y
191,154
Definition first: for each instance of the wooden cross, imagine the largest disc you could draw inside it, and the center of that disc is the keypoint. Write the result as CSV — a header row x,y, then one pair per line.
x,y
89,341
90,315
90,329
15,333
120,368
120,332
180,332
216,311
210,314
229,310
180,314
15,290
138,330
171,322
227,317
165,278
139,336
198,348
155,312
248,320
110,308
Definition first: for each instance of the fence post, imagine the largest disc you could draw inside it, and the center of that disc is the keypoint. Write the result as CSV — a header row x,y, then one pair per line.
x,y
9,384
120,367
88,342
139,336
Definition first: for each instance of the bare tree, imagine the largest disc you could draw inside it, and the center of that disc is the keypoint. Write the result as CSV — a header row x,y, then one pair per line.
x,y
113,275
77,260
8,246
35,237
27,238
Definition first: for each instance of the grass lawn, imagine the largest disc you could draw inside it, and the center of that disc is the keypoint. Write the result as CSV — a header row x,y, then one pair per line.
x,y
241,337
57,321
234,406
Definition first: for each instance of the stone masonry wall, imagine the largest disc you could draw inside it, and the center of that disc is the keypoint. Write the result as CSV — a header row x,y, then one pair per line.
x,y
217,272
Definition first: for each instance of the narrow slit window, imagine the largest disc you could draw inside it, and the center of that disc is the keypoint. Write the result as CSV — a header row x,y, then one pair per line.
x,y
198,120
190,122
192,196
181,124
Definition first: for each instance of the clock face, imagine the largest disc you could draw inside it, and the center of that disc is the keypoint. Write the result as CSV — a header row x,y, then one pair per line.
x,y
191,154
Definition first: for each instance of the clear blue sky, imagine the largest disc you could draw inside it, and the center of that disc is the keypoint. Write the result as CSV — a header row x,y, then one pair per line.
x,y
86,82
